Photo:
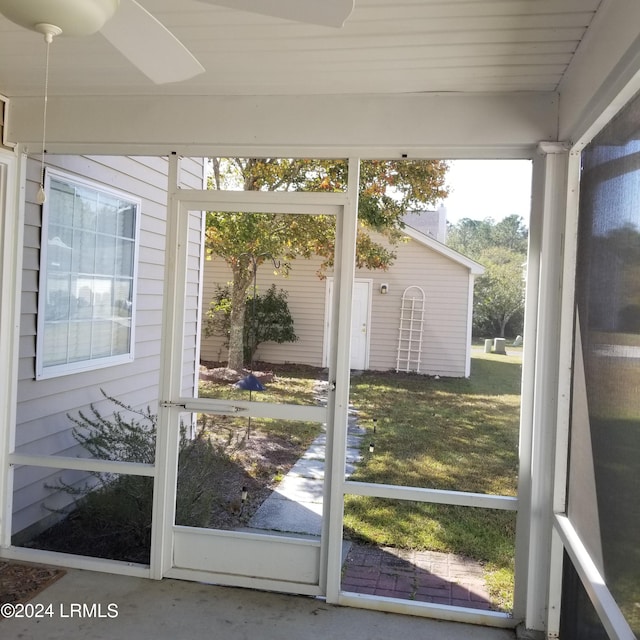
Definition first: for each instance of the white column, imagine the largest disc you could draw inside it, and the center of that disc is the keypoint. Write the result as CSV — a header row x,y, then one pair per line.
x,y
170,378
339,359
12,177
565,364
540,380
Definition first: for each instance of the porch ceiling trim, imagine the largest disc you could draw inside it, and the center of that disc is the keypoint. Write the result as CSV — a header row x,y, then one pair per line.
x,y
443,125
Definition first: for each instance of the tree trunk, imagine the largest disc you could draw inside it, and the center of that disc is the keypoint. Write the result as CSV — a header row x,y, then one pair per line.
x,y
504,320
241,282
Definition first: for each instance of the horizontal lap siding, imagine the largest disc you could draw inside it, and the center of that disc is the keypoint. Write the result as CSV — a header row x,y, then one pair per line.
x,y
306,293
306,299
43,426
193,293
446,287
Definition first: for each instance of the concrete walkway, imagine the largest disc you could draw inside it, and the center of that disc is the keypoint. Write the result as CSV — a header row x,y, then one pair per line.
x,y
296,504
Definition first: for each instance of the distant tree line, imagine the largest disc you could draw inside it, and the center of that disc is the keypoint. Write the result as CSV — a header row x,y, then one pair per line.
x,y
501,247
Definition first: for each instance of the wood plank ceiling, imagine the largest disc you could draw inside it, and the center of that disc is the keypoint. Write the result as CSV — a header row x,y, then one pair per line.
x,y
386,47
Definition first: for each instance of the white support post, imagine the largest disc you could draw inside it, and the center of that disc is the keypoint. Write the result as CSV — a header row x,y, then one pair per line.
x,y
12,178
339,358
527,394
565,372
541,378
170,378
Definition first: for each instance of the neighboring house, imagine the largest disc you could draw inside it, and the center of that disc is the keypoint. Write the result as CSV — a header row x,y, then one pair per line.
x,y
432,335
98,325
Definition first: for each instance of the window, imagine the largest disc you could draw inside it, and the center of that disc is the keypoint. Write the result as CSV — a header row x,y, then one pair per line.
x,y
87,277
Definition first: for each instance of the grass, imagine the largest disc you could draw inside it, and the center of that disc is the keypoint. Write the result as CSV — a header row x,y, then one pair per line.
x,y
450,433
459,434
292,385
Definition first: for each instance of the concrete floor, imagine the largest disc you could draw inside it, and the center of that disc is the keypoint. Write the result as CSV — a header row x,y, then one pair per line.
x,y
177,610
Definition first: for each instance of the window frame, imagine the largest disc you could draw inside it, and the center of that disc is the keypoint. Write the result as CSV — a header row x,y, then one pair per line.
x,y
92,363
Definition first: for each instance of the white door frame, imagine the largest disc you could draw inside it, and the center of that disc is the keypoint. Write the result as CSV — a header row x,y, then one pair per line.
x,y
327,320
329,553
309,562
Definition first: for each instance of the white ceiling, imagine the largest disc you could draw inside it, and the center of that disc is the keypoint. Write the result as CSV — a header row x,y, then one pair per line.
x,y
386,47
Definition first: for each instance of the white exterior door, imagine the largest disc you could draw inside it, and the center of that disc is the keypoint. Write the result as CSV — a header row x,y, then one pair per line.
x,y
360,314
360,321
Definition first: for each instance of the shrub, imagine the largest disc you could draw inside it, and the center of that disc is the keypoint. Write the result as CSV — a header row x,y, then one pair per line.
x,y
267,319
111,514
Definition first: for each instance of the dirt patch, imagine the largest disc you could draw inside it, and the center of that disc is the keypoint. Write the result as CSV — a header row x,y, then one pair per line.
x,y
224,375
253,469
20,582
218,372
257,462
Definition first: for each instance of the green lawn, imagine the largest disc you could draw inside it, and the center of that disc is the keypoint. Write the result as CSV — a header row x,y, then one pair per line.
x,y
459,434
449,433
290,385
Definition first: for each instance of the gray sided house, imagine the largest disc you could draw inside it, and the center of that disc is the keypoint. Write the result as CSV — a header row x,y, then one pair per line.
x,y
416,316
92,295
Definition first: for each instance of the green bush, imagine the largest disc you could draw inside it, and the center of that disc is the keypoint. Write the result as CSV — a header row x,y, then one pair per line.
x,y
267,319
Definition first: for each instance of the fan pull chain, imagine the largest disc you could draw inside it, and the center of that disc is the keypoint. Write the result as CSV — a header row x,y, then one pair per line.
x,y
41,197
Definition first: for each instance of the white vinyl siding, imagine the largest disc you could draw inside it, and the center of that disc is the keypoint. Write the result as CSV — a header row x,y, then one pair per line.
x,y
446,288
306,294
43,426
445,283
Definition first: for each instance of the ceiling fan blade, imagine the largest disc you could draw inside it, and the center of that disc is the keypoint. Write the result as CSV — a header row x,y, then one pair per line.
x,y
149,45
329,13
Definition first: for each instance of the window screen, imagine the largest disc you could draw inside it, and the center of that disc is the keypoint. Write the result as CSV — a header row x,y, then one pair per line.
x,y
604,475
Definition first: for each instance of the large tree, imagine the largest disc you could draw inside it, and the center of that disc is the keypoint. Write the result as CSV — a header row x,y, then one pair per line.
x,y
502,248
387,190
499,292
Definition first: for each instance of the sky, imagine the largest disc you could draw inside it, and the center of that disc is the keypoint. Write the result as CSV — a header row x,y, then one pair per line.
x,y
488,189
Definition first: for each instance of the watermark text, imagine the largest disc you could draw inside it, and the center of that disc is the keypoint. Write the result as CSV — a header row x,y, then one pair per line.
x,y
72,610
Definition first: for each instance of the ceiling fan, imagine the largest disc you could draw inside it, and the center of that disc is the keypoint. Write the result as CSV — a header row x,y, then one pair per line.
x,y
144,40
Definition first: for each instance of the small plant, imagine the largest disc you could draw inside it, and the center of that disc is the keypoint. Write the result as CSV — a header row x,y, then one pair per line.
x,y
112,513
269,321
116,437
197,489
218,317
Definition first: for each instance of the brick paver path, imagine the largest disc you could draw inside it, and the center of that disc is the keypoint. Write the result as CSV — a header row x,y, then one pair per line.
x,y
426,576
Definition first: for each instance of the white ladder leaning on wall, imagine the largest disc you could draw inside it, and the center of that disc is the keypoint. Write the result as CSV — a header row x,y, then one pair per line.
x,y
410,333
